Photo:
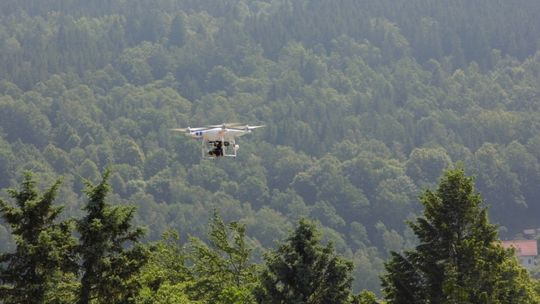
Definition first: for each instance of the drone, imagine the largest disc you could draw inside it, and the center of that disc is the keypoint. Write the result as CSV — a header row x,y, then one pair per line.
x,y
218,140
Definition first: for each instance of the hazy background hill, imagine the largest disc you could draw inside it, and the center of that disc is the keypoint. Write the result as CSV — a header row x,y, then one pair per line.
x,y
365,102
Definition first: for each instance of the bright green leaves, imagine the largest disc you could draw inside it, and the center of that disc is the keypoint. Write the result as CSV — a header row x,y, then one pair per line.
x,y
222,270
217,272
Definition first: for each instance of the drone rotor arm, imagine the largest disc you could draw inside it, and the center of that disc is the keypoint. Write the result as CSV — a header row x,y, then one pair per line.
x,y
179,129
188,129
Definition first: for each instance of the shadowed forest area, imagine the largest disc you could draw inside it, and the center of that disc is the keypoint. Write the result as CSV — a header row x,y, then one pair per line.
x,y
366,104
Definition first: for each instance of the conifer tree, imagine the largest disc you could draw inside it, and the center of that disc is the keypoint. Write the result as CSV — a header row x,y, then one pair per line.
x,y
459,258
303,271
178,33
110,249
45,247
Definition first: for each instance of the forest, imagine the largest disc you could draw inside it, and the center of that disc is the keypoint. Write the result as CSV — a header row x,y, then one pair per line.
x,y
366,104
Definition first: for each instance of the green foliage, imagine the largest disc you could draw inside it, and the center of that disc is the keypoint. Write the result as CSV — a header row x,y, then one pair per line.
x,y
108,267
365,103
222,270
178,32
166,294
166,277
365,297
45,249
303,271
458,258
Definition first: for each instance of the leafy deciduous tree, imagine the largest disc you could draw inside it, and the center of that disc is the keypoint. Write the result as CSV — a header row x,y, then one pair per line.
x,y
222,271
166,277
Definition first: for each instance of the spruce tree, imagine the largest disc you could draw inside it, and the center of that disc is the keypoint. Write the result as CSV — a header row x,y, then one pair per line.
x,y
459,258
110,249
303,271
45,248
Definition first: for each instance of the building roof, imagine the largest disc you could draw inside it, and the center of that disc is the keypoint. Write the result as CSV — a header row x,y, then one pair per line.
x,y
523,247
529,231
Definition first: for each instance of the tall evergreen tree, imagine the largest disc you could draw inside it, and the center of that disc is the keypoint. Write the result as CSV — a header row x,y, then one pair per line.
x,y
459,258
45,247
108,262
178,32
303,271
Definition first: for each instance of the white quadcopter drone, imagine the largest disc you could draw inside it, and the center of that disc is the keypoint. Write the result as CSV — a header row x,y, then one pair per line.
x,y
218,140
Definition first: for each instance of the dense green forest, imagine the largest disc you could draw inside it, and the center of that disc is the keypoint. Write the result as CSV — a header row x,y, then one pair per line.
x,y
365,102
459,258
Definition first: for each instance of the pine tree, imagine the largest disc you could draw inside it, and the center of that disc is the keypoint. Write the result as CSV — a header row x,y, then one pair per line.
x,y
303,271
459,258
109,264
45,248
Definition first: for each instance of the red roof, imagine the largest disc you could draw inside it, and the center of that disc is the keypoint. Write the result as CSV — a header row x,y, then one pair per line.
x,y
523,247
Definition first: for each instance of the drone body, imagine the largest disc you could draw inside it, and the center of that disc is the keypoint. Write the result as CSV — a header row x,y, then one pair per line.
x,y
218,140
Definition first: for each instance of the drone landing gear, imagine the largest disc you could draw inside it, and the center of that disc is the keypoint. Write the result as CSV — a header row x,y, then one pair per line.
x,y
216,149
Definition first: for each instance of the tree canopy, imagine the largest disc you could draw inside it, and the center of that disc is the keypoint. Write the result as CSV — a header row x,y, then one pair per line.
x,y
365,102
304,271
45,249
108,267
459,258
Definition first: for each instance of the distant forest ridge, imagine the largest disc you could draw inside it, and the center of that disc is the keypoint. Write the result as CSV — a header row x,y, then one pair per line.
x,y
465,30
365,102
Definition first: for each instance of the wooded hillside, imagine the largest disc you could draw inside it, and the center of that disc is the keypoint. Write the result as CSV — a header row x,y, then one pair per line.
x,y
365,102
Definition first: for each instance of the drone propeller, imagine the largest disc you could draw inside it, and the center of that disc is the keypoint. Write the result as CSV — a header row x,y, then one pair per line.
x,y
249,128
188,129
226,125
